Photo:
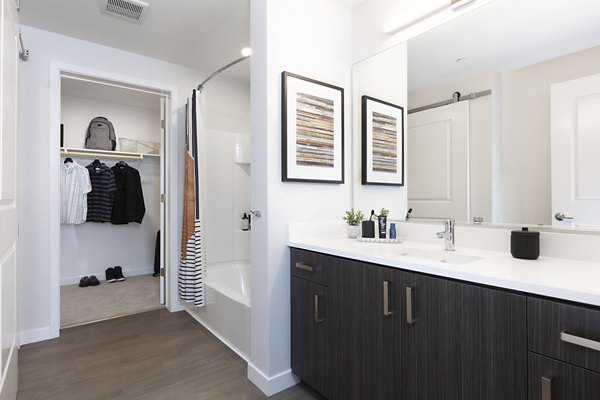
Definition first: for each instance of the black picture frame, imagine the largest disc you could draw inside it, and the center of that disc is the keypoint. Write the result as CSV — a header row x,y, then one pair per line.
x,y
318,155
382,164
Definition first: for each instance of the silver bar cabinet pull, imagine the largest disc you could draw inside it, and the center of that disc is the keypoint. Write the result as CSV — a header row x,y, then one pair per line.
x,y
409,306
305,267
386,299
579,341
546,388
317,319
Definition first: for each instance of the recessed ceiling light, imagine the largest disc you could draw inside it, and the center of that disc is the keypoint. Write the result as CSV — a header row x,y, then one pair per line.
x,y
246,52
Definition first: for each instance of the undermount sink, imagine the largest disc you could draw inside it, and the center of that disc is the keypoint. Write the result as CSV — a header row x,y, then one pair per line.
x,y
443,256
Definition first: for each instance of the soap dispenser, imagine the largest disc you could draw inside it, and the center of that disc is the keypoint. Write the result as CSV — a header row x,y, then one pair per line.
x,y
245,222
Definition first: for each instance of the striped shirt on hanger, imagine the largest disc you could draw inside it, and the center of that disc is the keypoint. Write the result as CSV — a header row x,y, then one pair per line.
x,y
74,186
100,199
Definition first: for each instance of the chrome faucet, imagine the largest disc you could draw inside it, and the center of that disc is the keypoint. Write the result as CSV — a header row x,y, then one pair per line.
x,y
448,234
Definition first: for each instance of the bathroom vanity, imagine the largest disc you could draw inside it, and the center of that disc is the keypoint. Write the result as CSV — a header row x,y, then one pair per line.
x,y
380,321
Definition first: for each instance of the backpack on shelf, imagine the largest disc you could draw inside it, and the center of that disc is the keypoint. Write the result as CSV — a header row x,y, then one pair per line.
x,y
100,135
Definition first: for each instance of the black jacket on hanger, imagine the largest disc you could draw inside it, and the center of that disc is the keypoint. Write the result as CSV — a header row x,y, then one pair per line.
x,y
129,199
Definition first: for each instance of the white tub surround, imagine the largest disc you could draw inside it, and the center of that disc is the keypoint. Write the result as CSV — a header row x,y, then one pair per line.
x,y
563,278
227,311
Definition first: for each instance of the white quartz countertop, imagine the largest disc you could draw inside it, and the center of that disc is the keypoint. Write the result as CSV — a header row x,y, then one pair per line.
x,y
560,278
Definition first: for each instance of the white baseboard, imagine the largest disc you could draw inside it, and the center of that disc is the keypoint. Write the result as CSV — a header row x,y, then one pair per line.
x,y
271,385
72,280
34,335
218,336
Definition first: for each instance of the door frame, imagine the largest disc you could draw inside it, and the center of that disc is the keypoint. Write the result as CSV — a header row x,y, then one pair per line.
x,y
171,256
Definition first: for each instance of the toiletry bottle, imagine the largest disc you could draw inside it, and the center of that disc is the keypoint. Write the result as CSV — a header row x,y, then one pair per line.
x,y
393,231
245,222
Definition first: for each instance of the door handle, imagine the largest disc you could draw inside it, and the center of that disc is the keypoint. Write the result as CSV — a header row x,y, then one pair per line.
x,y
546,388
386,299
409,306
317,318
305,267
560,216
579,341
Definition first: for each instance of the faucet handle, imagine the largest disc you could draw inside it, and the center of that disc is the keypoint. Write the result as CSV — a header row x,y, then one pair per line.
x,y
441,235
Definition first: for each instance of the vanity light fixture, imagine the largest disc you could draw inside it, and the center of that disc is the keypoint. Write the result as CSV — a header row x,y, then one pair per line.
x,y
421,13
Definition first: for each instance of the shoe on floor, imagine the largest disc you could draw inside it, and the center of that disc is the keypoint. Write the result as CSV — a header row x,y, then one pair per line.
x,y
94,281
84,282
119,274
110,275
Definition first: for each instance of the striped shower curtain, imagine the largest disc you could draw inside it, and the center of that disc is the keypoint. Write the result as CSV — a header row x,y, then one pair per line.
x,y
191,271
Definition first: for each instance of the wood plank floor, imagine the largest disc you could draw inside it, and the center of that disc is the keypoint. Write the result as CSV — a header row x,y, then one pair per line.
x,y
153,355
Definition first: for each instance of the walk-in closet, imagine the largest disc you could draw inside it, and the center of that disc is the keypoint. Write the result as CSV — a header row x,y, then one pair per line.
x,y
112,171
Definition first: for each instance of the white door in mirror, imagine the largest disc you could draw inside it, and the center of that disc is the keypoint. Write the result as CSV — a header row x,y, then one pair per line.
x,y
438,167
575,126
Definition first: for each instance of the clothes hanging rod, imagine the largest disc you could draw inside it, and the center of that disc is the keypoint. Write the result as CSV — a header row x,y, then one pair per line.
x,y
469,96
103,154
217,72
24,53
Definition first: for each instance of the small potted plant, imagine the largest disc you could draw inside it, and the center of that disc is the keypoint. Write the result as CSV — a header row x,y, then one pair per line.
x,y
382,219
353,220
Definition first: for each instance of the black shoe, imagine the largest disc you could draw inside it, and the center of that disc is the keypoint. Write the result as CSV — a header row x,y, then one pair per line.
x,y
94,281
84,282
119,274
110,275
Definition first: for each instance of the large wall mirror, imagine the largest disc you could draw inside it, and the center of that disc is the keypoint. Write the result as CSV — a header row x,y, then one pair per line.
x,y
503,117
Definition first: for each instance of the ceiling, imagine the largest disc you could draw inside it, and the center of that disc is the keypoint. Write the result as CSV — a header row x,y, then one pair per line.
x,y
204,34
505,35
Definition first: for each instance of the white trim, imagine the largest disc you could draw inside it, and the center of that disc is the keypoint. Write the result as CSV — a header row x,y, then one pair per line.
x,y
10,376
274,384
72,280
218,336
35,335
169,92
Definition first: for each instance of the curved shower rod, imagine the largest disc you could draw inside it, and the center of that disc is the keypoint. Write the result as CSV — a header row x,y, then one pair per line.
x,y
217,72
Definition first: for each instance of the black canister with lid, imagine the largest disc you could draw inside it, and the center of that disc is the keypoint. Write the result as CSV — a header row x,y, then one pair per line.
x,y
525,244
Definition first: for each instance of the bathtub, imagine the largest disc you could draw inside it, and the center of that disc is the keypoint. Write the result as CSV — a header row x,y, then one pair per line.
x,y
227,311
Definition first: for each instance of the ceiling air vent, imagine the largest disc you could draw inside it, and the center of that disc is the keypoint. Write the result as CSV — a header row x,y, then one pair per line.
x,y
131,10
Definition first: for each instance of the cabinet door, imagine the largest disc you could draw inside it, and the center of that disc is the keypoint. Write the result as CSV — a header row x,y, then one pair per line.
x,y
309,333
384,303
365,331
555,380
464,342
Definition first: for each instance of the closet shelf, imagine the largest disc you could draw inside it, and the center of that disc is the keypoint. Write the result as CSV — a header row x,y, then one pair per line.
x,y
74,152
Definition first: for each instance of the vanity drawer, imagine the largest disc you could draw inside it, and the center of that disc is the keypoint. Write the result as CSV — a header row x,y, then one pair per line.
x,y
565,332
310,265
555,380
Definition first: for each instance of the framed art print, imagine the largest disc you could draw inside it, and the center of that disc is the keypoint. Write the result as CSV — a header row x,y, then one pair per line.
x,y
382,143
312,131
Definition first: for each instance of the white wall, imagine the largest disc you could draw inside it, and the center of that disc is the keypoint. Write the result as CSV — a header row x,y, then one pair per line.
x,y
283,40
227,192
526,193
131,122
227,106
383,77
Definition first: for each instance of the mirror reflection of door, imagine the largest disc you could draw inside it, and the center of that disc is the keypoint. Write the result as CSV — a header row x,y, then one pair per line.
x,y
438,162
575,127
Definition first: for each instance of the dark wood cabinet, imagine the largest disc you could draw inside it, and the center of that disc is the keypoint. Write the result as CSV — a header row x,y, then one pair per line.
x,y
465,342
555,380
310,318
309,325
382,333
365,331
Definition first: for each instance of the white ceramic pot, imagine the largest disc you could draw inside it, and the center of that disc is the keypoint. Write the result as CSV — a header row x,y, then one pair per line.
x,y
353,231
